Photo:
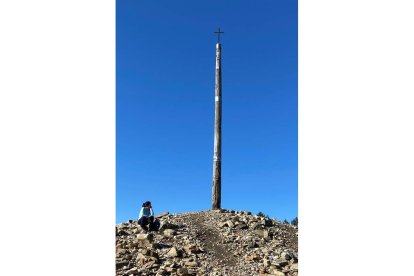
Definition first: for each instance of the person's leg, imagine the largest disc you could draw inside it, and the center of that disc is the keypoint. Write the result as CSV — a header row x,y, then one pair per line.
x,y
143,221
151,223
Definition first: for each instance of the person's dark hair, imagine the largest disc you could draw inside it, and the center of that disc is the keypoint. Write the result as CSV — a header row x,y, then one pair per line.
x,y
146,204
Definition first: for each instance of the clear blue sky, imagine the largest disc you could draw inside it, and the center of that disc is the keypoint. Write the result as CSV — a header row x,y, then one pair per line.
x,y
165,66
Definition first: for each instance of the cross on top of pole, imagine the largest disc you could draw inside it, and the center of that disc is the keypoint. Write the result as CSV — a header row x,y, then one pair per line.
x,y
219,34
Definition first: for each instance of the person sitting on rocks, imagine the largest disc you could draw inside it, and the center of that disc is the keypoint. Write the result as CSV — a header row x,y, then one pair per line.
x,y
146,217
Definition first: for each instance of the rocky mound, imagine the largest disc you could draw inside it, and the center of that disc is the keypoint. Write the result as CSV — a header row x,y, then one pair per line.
x,y
215,242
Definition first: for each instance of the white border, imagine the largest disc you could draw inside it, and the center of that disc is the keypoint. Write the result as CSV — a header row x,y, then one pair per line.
x,y
57,141
355,137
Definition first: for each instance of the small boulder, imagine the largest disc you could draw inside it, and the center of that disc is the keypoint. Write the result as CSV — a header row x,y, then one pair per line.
x,y
182,271
169,232
167,225
133,271
241,226
146,238
121,264
266,222
294,267
286,256
174,252
191,263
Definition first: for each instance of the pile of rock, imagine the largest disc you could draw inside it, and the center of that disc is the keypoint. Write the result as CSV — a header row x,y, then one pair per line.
x,y
219,242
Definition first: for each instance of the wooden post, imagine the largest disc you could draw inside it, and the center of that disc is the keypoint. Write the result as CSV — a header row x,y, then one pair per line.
x,y
217,133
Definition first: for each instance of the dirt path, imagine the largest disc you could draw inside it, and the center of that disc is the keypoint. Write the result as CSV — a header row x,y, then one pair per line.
x,y
212,240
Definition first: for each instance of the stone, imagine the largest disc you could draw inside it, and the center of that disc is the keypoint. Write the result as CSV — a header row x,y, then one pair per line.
x,y
294,267
182,271
161,272
261,233
235,219
169,232
286,256
174,252
254,225
252,257
140,256
280,262
170,269
167,225
228,223
191,263
274,273
242,226
266,263
149,253
191,249
133,271
120,252
267,222
121,264
251,244
146,238
121,232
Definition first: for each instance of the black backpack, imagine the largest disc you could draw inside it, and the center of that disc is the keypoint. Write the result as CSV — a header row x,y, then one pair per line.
x,y
156,226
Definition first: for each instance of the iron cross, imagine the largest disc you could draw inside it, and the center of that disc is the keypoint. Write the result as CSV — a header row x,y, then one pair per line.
x,y
219,34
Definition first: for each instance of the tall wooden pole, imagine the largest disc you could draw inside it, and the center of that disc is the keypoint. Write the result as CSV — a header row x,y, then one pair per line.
x,y
217,132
